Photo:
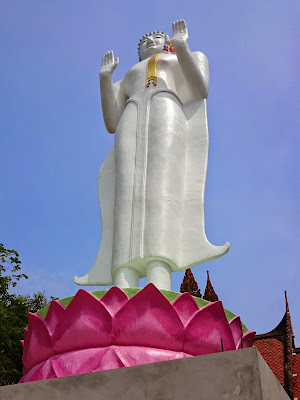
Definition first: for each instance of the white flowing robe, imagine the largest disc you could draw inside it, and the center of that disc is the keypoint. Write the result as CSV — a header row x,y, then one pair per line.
x,y
151,186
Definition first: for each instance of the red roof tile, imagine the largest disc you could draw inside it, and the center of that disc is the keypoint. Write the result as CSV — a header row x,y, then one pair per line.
x,y
272,351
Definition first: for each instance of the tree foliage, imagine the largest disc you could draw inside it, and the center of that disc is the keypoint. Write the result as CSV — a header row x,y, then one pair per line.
x,y
13,315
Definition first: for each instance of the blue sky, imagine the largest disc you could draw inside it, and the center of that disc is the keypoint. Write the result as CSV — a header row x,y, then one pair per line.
x,y
53,140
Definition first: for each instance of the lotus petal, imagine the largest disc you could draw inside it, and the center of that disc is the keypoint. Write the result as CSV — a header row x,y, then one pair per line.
x,y
148,319
135,355
236,329
186,307
25,333
248,339
22,343
54,314
114,299
40,372
37,346
86,323
110,360
205,330
82,361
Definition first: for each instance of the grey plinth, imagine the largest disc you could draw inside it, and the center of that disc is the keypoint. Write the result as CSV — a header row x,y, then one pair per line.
x,y
240,374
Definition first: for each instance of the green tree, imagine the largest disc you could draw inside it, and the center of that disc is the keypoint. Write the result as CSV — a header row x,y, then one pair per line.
x,y
13,315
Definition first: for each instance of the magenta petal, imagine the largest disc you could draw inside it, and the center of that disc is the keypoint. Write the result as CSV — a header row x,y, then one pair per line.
x,y
37,344
39,372
25,333
186,307
135,355
148,319
236,329
114,299
54,314
205,330
86,323
110,360
22,343
248,340
79,361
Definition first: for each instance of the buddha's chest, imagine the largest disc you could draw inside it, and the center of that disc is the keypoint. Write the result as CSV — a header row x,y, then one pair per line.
x,y
163,70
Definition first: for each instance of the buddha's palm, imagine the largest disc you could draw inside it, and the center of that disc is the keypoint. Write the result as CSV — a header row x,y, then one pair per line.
x,y
109,63
180,33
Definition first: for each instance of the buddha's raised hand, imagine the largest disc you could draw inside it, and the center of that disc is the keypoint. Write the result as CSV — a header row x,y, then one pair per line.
x,y
109,63
180,33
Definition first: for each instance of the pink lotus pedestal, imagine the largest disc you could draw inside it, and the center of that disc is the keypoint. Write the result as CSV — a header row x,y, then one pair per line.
x,y
115,331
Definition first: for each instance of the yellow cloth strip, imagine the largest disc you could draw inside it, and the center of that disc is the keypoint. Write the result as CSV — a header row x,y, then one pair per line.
x,y
152,70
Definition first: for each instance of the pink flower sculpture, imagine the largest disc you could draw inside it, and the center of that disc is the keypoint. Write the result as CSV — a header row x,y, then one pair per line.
x,y
115,331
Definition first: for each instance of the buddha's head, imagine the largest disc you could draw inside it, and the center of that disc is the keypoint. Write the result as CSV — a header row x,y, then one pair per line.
x,y
154,43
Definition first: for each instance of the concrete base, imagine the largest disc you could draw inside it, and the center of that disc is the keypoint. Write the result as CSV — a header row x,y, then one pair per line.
x,y
240,374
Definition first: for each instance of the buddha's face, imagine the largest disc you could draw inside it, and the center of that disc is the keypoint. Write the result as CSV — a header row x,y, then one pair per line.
x,y
152,44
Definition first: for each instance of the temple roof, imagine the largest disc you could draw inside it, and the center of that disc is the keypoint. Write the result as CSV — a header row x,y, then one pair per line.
x,y
209,293
282,328
278,348
189,284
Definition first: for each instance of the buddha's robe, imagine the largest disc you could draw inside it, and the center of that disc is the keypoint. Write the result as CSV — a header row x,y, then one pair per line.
x,y
151,185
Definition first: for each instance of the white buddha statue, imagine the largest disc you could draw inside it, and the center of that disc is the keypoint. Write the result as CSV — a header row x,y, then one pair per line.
x,y
151,185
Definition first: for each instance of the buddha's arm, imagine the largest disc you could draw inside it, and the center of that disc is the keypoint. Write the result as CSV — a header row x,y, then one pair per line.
x,y
193,65
195,69
113,102
113,98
